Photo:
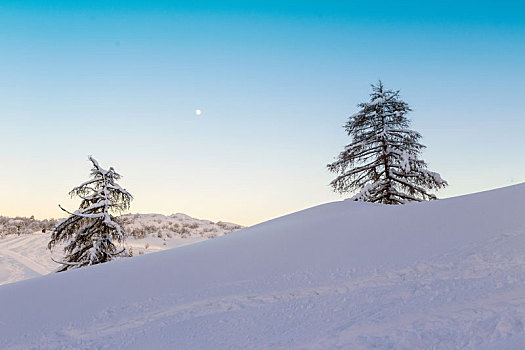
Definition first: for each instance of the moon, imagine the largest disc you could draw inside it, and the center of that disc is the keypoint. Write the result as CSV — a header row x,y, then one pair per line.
x,y
198,112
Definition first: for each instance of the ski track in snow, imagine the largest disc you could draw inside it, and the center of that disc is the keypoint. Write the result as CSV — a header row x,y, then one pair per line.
x,y
378,294
11,271
20,265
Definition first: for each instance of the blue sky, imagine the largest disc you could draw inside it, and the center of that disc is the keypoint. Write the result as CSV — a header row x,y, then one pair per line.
x,y
275,80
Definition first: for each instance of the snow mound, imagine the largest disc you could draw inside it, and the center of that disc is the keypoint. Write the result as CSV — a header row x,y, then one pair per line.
x,y
446,274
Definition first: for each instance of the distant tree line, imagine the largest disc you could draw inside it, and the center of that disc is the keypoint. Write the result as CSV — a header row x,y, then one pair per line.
x,y
23,225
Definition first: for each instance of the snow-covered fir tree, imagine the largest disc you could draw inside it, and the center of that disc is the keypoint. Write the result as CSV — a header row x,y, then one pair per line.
x,y
382,163
90,232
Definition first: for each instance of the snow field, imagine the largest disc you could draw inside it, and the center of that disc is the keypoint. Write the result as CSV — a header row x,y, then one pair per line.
x,y
447,274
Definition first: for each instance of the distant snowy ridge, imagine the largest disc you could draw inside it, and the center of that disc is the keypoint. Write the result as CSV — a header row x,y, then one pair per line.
x,y
142,225
146,233
445,274
23,225
24,253
137,225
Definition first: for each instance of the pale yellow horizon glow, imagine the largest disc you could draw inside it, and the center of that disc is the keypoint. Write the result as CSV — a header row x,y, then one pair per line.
x,y
222,199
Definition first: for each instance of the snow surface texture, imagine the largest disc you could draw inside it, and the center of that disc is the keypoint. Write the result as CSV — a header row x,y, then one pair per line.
x,y
23,257
447,274
26,255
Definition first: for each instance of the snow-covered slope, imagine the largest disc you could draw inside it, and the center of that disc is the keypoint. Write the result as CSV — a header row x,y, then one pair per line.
x,y
25,255
447,274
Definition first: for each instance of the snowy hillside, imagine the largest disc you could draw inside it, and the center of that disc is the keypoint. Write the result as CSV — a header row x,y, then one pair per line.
x,y
26,255
20,225
447,274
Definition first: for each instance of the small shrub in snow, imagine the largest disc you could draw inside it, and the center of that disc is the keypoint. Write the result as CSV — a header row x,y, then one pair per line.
x,y
138,233
228,227
150,228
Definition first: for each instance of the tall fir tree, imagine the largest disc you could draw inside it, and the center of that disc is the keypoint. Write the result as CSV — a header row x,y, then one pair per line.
x,y
382,163
90,232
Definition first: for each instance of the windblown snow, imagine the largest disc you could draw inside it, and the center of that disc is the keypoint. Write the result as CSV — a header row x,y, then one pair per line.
x,y
447,274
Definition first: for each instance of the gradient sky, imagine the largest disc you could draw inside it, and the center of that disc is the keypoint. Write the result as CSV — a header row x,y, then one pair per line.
x,y
276,80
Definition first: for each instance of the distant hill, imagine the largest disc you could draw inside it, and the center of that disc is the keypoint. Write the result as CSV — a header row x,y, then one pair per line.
x,y
136,225
23,225
151,232
175,225
23,242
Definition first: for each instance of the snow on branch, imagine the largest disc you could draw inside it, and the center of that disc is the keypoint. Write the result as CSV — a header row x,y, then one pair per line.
x,y
90,231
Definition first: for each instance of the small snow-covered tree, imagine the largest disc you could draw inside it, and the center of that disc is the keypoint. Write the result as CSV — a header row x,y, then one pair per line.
x,y
382,163
90,232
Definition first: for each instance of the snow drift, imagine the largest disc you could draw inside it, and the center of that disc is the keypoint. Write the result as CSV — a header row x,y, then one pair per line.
x,y
446,274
